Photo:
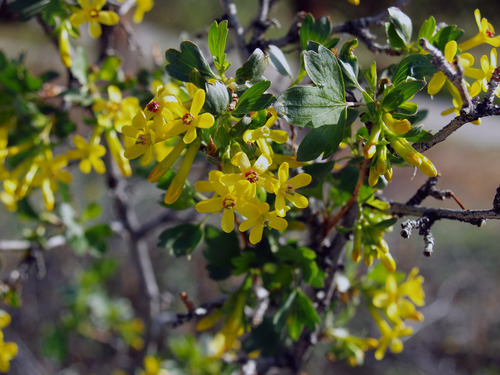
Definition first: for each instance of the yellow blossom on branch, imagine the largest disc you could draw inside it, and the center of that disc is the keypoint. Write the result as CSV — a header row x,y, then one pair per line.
x,y
91,12
285,189
485,35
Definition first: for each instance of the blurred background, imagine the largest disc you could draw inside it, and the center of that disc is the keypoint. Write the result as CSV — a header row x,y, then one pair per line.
x,y
461,331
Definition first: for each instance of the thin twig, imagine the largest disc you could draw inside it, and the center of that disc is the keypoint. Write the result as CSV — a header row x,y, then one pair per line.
x,y
237,31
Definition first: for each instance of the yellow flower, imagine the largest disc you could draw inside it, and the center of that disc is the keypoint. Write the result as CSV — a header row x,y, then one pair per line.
x,y
144,138
227,199
286,189
189,120
177,184
143,6
255,174
91,12
483,75
438,79
394,298
64,48
264,133
152,366
486,34
116,111
49,172
89,153
391,336
258,216
8,350
117,152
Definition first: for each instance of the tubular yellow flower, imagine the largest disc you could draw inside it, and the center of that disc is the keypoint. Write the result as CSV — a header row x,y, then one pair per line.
x,y
264,133
285,189
226,199
258,216
486,34
438,79
255,173
189,120
167,162
116,149
64,48
89,153
143,6
143,136
91,12
177,184
116,111
49,172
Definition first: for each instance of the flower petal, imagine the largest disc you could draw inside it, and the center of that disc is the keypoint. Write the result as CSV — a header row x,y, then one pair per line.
x,y
107,17
227,222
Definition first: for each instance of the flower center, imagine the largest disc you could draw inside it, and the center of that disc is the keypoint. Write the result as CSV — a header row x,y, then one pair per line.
x,y
114,106
153,106
141,139
490,33
187,118
289,190
228,203
252,176
94,13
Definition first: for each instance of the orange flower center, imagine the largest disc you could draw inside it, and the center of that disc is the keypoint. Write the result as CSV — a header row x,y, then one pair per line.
x,y
141,139
252,176
153,106
187,118
228,203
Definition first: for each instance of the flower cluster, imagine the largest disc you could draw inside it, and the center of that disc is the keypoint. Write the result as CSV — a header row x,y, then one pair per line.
x,y
237,187
368,242
388,130
481,76
8,350
397,302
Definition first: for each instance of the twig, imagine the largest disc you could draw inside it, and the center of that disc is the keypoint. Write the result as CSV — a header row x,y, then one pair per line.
x,y
138,248
237,31
429,189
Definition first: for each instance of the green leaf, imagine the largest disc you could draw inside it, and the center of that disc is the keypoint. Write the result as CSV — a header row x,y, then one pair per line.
x,y
402,24
427,29
110,68
318,172
408,109
417,134
80,66
349,64
323,140
311,106
26,9
323,104
181,63
92,211
182,239
264,338
217,36
278,60
401,93
393,37
306,310
371,76
254,99
97,237
318,31
280,317
221,248
253,69
243,263
445,35
413,66
217,99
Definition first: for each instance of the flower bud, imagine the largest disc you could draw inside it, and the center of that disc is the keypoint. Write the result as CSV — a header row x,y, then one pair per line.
x,y
388,261
427,167
373,176
357,246
381,164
